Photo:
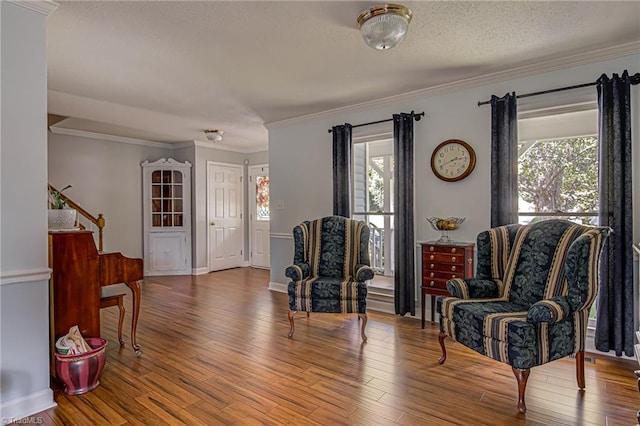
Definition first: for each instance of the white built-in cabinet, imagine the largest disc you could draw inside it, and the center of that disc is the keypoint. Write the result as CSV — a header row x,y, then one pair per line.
x,y
166,195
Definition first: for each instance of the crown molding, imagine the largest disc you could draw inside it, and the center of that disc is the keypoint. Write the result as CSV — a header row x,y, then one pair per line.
x,y
134,141
214,145
103,136
45,7
496,77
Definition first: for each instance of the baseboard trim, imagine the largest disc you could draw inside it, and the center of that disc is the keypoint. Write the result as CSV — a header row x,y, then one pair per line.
x,y
279,287
13,411
200,271
165,273
386,306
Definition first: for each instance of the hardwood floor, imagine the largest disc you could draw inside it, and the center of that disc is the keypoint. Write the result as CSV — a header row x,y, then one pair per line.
x,y
215,351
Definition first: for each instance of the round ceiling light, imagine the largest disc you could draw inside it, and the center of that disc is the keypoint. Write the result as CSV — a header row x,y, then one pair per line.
x,y
384,26
214,135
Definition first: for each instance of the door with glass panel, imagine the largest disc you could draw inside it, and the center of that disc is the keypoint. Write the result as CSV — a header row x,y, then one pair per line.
x,y
259,216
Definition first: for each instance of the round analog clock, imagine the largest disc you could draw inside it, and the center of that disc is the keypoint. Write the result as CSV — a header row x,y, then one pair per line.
x,y
453,160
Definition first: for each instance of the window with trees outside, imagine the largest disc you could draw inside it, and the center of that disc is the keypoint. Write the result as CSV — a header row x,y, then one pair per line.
x,y
372,202
558,166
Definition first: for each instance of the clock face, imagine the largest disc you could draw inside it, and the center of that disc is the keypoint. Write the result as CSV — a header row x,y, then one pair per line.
x,y
453,160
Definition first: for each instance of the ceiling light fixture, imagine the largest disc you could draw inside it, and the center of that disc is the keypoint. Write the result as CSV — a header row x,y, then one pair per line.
x,y
384,26
214,135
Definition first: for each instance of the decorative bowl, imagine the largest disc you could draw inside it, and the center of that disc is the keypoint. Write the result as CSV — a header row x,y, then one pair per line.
x,y
445,224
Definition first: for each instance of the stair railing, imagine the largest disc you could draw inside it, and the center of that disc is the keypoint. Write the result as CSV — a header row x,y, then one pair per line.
x,y
99,221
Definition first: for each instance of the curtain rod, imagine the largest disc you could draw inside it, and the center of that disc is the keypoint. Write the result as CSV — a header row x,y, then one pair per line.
x,y
544,92
635,79
417,117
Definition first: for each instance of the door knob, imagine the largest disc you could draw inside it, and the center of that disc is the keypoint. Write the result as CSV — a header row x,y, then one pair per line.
x,y
212,223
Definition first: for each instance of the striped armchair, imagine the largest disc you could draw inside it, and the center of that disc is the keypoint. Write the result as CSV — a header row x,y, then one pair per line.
x,y
529,302
330,268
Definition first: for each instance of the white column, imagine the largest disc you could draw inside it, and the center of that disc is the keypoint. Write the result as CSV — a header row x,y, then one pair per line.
x,y
24,273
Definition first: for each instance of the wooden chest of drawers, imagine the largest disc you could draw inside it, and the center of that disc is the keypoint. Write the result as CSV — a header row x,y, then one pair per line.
x,y
442,262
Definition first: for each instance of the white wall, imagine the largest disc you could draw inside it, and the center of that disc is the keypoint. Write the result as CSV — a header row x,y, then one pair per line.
x,y
24,272
300,153
106,177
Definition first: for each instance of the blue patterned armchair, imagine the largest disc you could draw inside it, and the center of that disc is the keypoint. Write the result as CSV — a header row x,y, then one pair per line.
x,y
529,302
330,268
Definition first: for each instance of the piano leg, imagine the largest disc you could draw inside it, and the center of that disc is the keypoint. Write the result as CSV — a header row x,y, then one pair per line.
x,y
135,292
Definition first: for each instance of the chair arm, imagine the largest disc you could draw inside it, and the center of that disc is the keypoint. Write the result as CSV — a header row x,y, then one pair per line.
x,y
549,310
363,272
298,271
472,288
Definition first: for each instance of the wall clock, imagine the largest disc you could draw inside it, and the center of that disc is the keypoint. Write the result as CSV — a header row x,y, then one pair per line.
x,y
453,160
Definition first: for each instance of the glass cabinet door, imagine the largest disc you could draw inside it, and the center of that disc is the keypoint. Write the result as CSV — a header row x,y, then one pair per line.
x,y
167,199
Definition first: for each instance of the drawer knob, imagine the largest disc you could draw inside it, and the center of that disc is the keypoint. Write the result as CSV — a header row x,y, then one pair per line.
x,y
453,250
453,268
454,276
453,258
432,265
431,248
431,283
431,257
431,275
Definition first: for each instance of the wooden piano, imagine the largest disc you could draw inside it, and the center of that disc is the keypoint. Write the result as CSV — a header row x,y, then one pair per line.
x,y
78,273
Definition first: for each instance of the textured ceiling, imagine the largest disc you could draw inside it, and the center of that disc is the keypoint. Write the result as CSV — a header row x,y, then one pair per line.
x,y
164,71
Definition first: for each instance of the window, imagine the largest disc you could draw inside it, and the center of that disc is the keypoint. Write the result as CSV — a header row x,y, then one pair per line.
x,y
558,178
372,202
262,198
558,166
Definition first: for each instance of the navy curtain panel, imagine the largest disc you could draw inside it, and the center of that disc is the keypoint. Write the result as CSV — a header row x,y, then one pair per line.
x,y
404,244
504,160
614,323
342,170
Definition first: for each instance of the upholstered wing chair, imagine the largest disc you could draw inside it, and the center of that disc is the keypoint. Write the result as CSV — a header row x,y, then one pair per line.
x,y
330,268
529,302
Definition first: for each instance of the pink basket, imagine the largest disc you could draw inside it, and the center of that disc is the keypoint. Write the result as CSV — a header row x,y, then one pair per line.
x,y
80,373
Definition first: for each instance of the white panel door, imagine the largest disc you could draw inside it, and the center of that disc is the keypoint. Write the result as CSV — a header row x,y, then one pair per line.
x,y
226,236
259,216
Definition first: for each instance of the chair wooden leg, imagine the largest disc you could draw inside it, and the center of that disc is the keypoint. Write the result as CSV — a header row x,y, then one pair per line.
x,y
363,317
291,314
521,377
580,369
120,319
441,338
115,300
134,286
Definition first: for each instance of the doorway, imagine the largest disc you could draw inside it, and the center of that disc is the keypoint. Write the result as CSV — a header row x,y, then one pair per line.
x,y
259,216
225,236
